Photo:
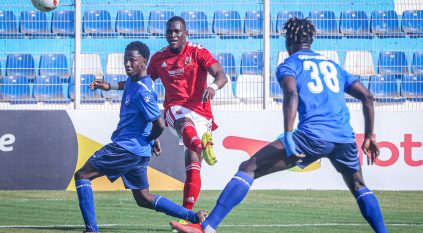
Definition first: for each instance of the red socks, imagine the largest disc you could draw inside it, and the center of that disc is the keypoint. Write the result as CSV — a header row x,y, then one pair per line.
x,y
190,137
192,185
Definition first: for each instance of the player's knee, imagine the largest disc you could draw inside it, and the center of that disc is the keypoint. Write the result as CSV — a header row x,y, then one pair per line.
x,y
80,175
246,167
144,200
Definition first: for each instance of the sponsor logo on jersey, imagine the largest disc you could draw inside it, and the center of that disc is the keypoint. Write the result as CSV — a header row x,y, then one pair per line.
x,y
176,72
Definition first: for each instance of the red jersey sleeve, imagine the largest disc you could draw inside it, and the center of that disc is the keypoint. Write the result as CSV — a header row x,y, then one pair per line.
x,y
204,58
150,69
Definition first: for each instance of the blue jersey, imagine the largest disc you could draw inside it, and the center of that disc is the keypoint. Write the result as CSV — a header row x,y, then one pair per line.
x,y
321,84
138,109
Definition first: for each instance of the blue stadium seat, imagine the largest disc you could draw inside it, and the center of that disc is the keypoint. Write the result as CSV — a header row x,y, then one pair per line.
x,y
87,95
114,96
275,90
157,22
130,23
227,61
49,89
412,87
16,90
34,24
354,24
283,16
417,64
8,27
227,24
160,90
412,22
384,88
98,23
252,63
253,24
392,62
325,23
384,23
20,65
197,24
63,23
54,64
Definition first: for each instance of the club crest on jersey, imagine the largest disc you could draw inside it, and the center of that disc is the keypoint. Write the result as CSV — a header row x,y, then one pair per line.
x,y
179,112
128,98
187,60
147,99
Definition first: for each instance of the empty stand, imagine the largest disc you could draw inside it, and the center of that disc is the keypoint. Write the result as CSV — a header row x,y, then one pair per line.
x,y
417,63
157,22
253,24
359,63
98,23
283,16
392,62
114,96
63,23
412,87
224,95
197,24
91,64
412,22
160,90
249,88
130,23
275,90
34,24
8,27
87,95
330,54
384,23
325,23
227,61
16,90
54,64
20,65
281,57
354,24
384,88
49,89
114,64
252,63
227,24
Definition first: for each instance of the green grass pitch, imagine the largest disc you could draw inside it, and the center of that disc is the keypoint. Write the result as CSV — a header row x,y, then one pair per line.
x,y
261,212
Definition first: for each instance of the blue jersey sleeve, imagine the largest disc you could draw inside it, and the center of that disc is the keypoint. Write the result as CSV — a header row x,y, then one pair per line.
x,y
285,69
349,79
147,103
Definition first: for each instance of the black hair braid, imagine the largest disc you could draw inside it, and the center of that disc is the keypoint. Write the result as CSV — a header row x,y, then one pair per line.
x,y
299,31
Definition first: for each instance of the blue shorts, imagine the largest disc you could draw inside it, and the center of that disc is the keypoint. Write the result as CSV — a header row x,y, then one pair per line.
x,y
115,161
343,156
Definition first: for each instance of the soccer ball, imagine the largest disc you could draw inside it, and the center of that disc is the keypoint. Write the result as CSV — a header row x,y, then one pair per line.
x,y
45,5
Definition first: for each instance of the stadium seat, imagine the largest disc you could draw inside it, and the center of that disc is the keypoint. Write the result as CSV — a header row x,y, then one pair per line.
x,y
114,64
325,24
282,56
115,96
224,95
227,24
130,23
252,63
34,24
20,65
283,16
412,22
384,88
384,23
330,54
392,62
63,23
91,64
227,61
8,27
275,90
249,88
354,24
417,64
157,22
98,23
87,95
412,87
160,90
197,24
54,64
16,90
359,63
253,23
49,89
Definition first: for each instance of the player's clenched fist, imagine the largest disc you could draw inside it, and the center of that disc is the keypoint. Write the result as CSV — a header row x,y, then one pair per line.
x,y
100,84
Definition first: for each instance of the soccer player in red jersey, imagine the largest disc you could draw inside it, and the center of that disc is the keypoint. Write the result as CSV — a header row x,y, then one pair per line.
x,y
183,67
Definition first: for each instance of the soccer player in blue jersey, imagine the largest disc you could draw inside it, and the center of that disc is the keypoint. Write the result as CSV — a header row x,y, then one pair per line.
x,y
314,86
133,142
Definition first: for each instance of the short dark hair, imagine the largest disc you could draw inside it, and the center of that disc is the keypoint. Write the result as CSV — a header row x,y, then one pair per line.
x,y
140,47
299,31
177,19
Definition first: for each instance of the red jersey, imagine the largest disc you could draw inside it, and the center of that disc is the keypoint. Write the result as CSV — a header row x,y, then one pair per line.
x,y
184,76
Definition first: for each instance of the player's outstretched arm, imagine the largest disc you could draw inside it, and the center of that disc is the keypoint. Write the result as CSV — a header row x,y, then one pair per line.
x,y
370,148
220,79
156,131
106,86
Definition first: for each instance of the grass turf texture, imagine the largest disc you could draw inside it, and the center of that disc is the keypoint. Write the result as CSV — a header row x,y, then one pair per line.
x,y
262,211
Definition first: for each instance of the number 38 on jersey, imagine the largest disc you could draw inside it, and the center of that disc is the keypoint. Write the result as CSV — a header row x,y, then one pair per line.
x,y
325,69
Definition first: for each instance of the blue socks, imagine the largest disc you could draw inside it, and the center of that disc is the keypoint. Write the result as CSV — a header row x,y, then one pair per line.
x,y
370,209
86,204
234,192
168,207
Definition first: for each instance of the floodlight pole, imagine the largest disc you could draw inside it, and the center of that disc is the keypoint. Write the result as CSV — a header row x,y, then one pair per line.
x,y
266,53
77,55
